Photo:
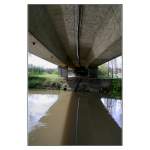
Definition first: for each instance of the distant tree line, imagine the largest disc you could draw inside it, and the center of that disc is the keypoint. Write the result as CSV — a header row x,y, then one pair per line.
x,y
39,70
105,71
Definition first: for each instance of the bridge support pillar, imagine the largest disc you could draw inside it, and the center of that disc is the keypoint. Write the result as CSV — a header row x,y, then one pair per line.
x,y
63,71
92,72
86,72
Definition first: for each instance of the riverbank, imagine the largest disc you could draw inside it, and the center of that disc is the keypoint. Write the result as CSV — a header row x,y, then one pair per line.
x,y
105,87
46,81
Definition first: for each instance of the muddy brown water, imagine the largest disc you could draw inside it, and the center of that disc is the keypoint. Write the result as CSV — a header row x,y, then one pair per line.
x,y
72,118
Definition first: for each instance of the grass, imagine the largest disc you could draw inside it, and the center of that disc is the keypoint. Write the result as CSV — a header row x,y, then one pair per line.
x,y
54,81
45,80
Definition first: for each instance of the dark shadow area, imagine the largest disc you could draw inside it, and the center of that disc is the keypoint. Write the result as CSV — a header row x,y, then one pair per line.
x,y
95,126
69,136
111,88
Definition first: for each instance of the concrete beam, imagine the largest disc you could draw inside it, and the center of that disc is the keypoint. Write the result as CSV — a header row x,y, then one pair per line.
x,y
41,26
111,52
99,38
38,49
109,33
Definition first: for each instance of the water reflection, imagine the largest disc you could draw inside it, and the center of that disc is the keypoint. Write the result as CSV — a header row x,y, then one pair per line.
x,y
38,105
114,106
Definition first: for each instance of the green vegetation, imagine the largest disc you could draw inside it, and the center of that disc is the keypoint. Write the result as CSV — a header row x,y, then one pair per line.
x,y
114,74
103,71
39,78
44,78
114,91
116,88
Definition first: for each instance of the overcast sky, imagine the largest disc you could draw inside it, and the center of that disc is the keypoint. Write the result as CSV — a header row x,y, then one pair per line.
x,y
37,61
119,61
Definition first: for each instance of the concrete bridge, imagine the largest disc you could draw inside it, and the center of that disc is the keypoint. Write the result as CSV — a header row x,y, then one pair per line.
x,y
80,37
76,36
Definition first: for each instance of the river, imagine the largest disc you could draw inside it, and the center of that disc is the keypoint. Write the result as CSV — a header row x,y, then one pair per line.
x,y
52,116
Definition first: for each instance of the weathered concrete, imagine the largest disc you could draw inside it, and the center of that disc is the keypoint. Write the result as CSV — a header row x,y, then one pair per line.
x,y
77,35
36,48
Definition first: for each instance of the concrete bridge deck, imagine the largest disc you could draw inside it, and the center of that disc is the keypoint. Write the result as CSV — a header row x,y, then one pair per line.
x,y
75,35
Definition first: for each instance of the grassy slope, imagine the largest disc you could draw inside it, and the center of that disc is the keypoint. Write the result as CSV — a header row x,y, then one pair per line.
x,y
45,80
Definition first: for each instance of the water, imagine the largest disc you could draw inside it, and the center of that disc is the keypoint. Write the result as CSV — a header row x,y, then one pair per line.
x,y
52,117
38,105
114,107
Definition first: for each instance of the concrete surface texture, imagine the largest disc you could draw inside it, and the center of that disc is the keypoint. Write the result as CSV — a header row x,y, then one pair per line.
x,y
75,35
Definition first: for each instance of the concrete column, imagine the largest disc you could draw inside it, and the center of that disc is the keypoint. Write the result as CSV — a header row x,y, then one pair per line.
x,y
92,72
63,71
81,71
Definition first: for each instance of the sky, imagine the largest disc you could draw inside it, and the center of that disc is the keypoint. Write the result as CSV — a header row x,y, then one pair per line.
x,y
118,62
39,62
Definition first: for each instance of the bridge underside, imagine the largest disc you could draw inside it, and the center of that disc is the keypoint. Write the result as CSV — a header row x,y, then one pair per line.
x,y
80,37
75,35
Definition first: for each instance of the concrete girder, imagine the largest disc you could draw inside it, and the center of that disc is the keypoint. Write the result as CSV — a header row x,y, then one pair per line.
x,y
36,48
92,19
107,36
111,52
99,38
41,26
64,21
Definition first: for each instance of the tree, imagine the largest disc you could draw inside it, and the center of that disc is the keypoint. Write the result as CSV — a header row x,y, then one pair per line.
x,y
103,71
